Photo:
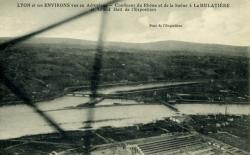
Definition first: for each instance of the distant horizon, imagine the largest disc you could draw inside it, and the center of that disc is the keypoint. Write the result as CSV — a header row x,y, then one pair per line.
x,y
145,42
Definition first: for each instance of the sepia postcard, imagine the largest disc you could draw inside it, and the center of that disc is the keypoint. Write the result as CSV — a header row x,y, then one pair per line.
x,y
124,77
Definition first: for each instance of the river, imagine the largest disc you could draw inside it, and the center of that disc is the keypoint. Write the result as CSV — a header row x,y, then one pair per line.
x,y
21,120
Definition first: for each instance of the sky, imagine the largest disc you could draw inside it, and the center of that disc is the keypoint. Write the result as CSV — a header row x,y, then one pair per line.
x,y
205,25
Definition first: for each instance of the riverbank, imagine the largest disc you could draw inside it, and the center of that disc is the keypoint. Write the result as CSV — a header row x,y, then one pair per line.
x,y
196,134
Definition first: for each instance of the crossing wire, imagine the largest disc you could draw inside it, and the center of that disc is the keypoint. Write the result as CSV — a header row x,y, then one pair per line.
x,y
94,80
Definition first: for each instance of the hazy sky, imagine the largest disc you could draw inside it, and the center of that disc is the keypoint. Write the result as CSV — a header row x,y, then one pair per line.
x,y
207,25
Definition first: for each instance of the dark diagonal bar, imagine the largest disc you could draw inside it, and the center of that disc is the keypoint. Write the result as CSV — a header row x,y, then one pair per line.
x,y
34,33
21,94
95,79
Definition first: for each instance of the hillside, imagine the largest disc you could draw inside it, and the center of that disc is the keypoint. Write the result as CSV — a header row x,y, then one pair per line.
x,y
168,47
45,66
